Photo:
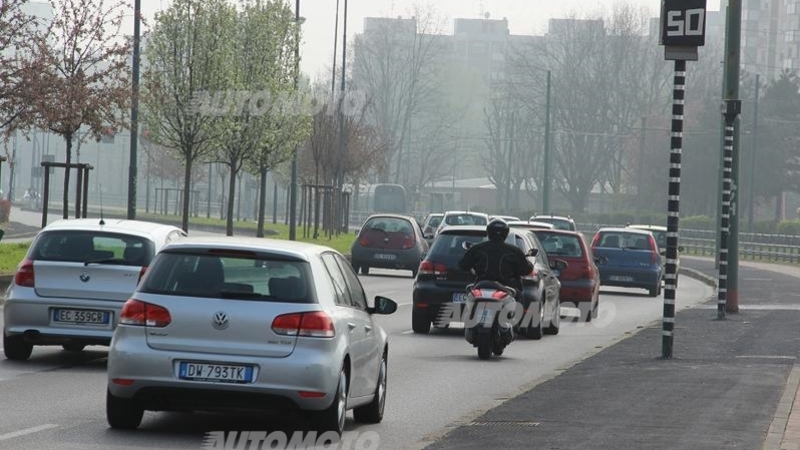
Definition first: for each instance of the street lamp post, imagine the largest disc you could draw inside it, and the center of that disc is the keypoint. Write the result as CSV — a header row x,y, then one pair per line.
x,y
293,187
132,169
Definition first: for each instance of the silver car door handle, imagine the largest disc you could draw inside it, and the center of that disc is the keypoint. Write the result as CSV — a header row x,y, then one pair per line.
x,y
352,326
367,328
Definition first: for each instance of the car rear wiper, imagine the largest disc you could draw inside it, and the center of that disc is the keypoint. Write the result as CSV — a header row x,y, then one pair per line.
x,y
242,295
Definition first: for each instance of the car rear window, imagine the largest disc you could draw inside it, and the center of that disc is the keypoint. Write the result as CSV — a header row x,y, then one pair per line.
x,y
559,224
92,246
465,219
560,245
435,221
235,275
455,244
618,239
389,224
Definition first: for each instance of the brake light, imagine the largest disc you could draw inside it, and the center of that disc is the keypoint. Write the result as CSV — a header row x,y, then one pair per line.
x,y
595,241
431,268
24,275
654,256
310,324
408,242
138,313
499,295
363,241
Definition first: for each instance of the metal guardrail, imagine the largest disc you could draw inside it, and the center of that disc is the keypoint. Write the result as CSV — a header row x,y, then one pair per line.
x,y
752,246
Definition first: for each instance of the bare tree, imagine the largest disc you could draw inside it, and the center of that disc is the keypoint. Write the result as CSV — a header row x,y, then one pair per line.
x,y
395,65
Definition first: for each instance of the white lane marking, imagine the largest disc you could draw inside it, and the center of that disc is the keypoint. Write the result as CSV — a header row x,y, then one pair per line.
x,y
26,431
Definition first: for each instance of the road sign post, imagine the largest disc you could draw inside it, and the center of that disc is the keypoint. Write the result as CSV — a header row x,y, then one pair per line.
x,y
682,32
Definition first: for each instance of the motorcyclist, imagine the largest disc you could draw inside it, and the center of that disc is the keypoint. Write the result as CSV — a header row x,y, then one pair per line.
x,y
496,260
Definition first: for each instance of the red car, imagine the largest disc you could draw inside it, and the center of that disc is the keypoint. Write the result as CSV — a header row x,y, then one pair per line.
x,y
580,281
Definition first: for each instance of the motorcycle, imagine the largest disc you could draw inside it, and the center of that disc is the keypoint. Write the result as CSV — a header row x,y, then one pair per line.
x,y
490,308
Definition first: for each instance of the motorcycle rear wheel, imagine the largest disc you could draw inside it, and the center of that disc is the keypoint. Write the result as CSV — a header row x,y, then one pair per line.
x,y
484,346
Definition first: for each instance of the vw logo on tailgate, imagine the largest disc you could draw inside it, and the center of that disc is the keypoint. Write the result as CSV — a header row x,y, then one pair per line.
x,y
220,321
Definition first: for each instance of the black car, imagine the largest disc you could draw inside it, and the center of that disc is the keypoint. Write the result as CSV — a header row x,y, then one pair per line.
x,y
441,284
388,241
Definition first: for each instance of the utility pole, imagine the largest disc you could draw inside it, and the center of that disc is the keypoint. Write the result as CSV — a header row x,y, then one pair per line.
x,y
510,163
134,157
640,169
293,187
732,61
751,206
546,181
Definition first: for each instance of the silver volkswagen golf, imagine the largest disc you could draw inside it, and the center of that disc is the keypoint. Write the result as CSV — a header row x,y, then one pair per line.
x,y
76,275
240,324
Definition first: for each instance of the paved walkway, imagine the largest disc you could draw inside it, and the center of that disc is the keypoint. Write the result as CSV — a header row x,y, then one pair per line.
x,y
730,384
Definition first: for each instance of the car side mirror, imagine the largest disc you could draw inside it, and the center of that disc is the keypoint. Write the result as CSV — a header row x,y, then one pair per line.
x,y
680,249
383,305
532,252
560,265
601,260
663,252
467,245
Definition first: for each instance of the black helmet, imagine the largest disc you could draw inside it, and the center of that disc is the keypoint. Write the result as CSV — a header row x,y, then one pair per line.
x,y
497,230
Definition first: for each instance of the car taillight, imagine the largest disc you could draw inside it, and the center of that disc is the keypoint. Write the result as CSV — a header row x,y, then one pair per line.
x,y
139,313
24,275
363,240
431,268
534,275
408,242
655,258
595,241
310,324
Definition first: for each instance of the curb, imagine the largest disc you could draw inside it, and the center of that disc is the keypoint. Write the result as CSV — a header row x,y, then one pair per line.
x,y
698,275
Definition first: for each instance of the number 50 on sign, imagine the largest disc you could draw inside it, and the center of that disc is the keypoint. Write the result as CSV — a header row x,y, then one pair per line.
x,y
683,23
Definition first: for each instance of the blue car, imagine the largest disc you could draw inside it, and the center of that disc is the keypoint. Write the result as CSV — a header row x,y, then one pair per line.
x,y
632,259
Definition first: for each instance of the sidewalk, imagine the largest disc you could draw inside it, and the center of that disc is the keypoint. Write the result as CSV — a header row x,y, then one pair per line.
x,y
730,384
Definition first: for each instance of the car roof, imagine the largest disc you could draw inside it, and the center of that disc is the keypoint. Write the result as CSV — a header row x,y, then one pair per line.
x,y
530,224
550,216
557,231
648,227
391,216
136,227
302,250
465,213
623,230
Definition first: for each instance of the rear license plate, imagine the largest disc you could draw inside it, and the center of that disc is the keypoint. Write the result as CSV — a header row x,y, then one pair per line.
x,y
459,297
385,256
82,317
620,278
215,372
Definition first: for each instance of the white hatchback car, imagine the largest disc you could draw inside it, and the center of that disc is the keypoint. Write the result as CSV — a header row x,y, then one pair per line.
x,y
70,287
245,324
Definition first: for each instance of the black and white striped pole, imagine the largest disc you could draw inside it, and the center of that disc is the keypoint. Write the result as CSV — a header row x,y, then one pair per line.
x,y
682,32
730,110
673,206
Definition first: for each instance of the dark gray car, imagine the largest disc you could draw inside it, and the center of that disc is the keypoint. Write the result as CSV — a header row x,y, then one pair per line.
x,y
388,241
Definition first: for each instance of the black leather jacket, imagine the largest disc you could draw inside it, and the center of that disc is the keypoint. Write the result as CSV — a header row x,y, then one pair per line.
x,y
497,261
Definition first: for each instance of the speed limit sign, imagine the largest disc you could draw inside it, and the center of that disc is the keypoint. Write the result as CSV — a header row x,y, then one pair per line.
x,y
683,23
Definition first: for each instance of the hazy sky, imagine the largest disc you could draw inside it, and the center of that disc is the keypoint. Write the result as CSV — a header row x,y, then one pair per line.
x,y
525,17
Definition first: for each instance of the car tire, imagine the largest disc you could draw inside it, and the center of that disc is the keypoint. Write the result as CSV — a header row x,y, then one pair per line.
x,y
414,273
555,321
535,331
373,412
655,291
16,349
333,417
73,347
365,270
356,267
420,323
123,413
595,309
